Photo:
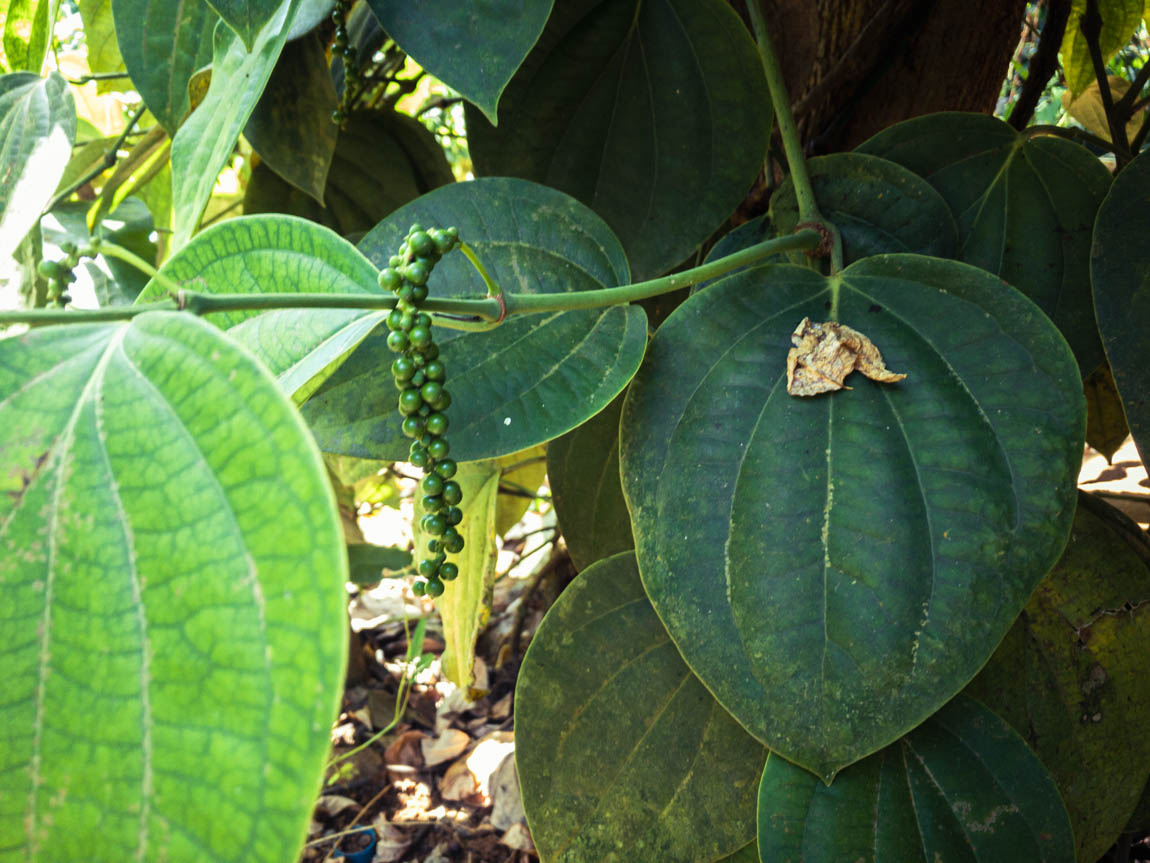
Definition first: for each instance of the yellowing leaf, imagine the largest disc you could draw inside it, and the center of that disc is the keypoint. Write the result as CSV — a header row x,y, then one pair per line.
x,y
465,604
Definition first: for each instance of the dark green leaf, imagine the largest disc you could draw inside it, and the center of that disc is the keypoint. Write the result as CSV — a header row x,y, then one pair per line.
x,y
205,141
747,854
291,127
112,282
37,127
247,17
382,161
583,467
622,753
1119,267
1120,20
878,207
367,562
163,43
279,254
533,378
174,620
1073,675
27,31
1024,205
1140,820
100,37
475,51
961,787
654,114
1106,427
746,235
832,567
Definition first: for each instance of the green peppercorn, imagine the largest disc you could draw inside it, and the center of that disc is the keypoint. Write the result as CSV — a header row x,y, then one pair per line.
x,y
438,449
434,588
398,341
433,484
448,571
452,493
446,468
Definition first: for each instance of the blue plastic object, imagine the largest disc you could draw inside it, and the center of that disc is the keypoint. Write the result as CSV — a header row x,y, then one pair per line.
x,y
362,856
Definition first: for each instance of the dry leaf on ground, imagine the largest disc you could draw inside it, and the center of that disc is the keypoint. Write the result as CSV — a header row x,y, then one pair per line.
x,y
446,746
824,354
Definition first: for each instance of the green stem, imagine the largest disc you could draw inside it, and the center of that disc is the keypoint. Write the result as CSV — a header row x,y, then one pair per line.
x,y
788,131
474,313
1070,133
111,250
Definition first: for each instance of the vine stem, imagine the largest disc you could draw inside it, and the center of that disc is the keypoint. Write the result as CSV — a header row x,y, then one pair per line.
x,y
474,313
788,131
792,145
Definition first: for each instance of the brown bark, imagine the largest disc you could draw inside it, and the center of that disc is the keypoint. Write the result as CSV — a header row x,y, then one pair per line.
x,y
854,67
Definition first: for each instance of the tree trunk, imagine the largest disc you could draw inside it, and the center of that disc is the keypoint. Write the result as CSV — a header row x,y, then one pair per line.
x,y
854,67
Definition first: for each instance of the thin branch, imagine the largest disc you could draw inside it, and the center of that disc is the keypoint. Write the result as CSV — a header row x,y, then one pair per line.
x,y
1091,26
1071,133
1126,105
486,312
1043,64
97,76
107,162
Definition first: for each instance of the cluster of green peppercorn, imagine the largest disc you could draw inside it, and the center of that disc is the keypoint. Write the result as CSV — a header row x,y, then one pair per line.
x,y
423,401
60,274
351,74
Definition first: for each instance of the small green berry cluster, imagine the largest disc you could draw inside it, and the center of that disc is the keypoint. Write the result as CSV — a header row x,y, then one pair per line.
x,y
423,400
60,274
351,73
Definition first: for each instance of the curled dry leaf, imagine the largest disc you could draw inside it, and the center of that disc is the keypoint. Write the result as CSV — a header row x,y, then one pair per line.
x,y
824,354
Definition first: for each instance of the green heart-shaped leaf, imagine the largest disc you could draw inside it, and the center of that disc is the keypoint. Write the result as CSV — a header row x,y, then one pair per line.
x,y
290,127
1073,675
622,753
163,44
531,239
37,127
382,161
279,254
962,786
1120,270
1024,205
473,52
100,37
835,568
583,469
654,114
173,620
878,207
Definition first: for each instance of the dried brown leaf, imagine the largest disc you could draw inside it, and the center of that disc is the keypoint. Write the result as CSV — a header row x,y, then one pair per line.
x,y
824,354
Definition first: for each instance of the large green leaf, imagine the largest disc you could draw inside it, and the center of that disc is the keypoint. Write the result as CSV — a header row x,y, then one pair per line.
x,y
291,127
37,127
1120,19
475,51
1120,270
1024,205
204,143
246,17
835,568
961,787
163,43
279,254
100,37
1106,427
173,618
1073,675
27,33
382,161
583,468
622,753
655,114
535,376
878,206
